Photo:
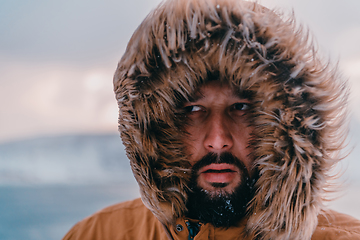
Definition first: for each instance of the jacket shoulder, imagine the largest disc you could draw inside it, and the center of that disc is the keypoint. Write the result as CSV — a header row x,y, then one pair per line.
x,y
126,220
335,225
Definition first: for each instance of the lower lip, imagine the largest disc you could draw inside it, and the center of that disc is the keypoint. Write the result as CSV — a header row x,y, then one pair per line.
x,y
224,177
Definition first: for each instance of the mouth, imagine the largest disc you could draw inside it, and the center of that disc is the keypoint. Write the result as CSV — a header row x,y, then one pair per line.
x,y
218,173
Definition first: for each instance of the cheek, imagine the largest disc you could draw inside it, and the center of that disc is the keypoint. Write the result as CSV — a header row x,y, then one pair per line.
x,y
242,131
192,143
242,139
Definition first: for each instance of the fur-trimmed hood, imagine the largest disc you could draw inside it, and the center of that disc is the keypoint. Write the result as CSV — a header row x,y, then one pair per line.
x,y
297,107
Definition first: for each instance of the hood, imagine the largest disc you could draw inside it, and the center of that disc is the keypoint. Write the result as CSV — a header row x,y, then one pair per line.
x,y
297,107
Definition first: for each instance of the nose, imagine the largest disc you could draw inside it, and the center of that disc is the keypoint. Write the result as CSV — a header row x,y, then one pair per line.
x,y
218,137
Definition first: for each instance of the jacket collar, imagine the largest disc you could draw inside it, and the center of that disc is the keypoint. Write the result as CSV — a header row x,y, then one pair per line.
x,y
182,228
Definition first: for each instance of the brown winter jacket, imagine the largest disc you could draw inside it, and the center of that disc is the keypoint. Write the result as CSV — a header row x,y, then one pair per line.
x,y
132,221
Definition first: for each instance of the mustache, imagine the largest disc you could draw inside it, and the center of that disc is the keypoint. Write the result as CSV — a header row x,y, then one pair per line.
x,y
224,157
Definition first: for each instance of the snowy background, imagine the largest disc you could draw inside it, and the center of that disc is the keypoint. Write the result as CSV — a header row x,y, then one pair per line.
x,y
61,157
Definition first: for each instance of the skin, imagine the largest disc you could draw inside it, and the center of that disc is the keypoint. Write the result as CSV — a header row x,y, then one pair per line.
x,y
217,124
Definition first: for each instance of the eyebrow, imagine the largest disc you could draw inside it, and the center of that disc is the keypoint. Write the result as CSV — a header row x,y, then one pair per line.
x,y
196,97
237,93
243,94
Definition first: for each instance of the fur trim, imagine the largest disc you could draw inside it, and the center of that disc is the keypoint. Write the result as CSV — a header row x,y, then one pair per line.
x,y
297,107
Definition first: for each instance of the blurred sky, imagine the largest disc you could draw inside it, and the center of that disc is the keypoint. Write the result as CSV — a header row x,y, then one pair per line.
x,y
57,58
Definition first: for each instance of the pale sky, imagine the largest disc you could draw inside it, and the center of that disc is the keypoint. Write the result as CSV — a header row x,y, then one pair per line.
x,y
57,58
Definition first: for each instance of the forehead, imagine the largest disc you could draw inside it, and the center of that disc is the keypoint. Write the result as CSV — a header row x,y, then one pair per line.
x,y
216,89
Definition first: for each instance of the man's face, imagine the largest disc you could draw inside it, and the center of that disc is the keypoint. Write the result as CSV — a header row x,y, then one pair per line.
x,y
217,123
218,143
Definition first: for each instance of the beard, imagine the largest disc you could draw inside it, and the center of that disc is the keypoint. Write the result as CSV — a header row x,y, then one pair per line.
x,y
220,208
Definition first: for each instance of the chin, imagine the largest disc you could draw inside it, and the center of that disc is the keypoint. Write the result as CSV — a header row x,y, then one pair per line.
x,y
221,207
214,190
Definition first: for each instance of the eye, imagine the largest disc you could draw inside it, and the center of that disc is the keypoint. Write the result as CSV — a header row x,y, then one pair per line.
x,y
240,106
193,108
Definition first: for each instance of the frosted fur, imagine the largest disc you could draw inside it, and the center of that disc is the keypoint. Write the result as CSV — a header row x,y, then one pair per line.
x,y
298,108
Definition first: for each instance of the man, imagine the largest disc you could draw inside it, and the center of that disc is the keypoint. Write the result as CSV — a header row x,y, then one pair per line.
x,y
231,124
